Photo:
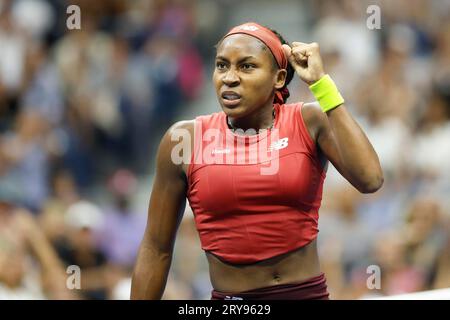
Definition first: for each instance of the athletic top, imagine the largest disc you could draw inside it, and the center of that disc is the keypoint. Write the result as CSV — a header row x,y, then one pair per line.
x,y
255,197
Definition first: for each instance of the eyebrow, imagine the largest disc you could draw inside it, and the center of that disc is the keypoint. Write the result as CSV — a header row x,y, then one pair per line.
x,y
239,61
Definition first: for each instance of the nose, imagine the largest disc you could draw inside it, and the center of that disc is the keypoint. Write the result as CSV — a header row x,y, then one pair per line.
x,y
231,79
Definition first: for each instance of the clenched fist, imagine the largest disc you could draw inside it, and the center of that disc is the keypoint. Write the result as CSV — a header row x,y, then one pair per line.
x,y
306,61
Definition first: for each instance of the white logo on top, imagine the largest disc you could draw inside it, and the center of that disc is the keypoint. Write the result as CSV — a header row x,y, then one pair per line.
x,y
221,151
280,144
249,28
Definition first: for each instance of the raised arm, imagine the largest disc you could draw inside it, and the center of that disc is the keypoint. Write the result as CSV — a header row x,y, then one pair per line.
x,y
338,135
344,143
167,203
53,275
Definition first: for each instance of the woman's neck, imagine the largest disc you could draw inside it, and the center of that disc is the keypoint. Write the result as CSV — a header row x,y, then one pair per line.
x,y
263,118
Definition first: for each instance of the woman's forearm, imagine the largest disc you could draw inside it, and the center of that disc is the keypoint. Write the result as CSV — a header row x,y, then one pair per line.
x,y
53,276
357,154
150,274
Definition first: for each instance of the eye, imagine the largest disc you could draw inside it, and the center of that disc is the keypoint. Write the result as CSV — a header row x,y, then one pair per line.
x,y
247,66
220,65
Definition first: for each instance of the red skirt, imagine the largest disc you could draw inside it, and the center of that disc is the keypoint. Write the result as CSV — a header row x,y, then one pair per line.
x,y
312,289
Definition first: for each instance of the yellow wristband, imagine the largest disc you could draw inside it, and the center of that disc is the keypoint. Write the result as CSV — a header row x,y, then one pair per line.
x,y
326,93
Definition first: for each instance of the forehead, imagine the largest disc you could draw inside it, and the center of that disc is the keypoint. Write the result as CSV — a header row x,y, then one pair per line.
x,y
242,45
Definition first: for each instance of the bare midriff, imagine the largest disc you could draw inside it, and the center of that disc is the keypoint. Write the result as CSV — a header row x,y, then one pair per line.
x,y
292,267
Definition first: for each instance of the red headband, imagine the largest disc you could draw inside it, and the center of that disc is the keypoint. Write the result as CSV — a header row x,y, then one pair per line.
x,y
266,36
270,40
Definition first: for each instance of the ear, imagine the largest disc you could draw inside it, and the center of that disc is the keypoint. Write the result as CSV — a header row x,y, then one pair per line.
x,y
280,78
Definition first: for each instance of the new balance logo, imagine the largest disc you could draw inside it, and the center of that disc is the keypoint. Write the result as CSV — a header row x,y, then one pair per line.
x,y
280,144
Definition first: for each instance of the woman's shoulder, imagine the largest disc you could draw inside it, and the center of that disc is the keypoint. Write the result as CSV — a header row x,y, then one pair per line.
x,y
175,138
176,132
312,116
181,125
190,124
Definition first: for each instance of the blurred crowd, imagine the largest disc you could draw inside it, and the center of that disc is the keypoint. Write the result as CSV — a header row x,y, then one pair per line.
x,y
397,84
82,112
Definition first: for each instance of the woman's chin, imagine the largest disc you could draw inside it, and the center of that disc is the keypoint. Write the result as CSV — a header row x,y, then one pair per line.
x,y
234,112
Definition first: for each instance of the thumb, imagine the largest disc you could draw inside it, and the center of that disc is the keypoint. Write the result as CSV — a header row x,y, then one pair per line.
x,y
287,50
291,58
298,67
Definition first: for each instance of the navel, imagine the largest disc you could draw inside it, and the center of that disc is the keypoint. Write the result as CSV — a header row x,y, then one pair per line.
x,y
276,278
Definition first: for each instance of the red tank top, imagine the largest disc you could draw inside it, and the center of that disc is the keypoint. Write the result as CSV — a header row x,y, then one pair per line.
x,y
255,197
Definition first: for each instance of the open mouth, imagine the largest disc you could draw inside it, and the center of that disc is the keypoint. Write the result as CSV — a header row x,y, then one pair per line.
x,y
231,98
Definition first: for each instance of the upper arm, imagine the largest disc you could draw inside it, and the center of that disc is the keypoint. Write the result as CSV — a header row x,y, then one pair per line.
x,y
344,143
168,197
320,131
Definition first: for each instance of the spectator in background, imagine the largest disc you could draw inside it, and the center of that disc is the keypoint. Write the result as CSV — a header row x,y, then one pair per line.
x,y
121,232
432,145
398,275
12,64
425,236
83,219
24,150
42,92
21,239
65,194
442,278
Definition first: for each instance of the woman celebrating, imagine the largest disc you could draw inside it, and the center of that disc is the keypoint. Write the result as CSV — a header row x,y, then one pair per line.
x,y
258,230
